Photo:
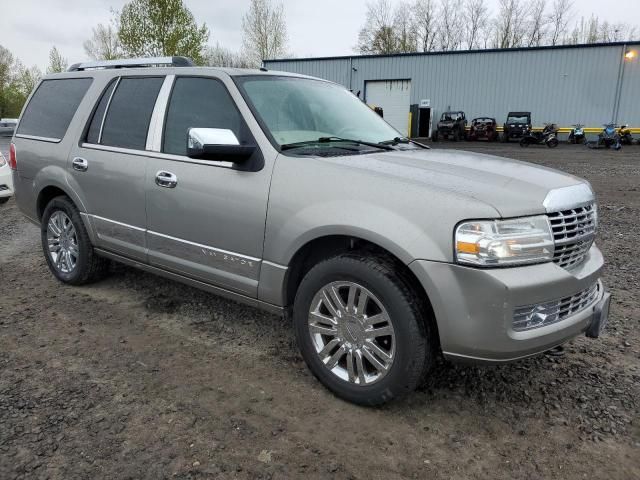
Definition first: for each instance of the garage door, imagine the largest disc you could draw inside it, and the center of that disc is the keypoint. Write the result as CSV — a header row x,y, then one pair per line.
x,y
394,97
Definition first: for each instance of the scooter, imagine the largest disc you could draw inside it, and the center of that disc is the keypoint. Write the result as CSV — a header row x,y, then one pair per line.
x,y
547,137
577,135
624,132
609,137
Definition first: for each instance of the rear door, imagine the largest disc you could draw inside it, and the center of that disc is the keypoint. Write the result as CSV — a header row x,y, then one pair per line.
x,y
109,165
210,224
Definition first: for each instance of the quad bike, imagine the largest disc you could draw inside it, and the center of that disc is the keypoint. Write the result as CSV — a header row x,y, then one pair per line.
x,y
577,134
624,132
548,137
609,137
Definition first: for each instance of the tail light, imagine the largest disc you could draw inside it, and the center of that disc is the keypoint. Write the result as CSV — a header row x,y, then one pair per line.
x,y
13,165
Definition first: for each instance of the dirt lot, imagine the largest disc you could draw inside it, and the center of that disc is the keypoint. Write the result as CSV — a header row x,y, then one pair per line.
x,y
139,377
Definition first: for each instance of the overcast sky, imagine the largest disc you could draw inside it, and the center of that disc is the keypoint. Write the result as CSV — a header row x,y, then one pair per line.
x,y
29,28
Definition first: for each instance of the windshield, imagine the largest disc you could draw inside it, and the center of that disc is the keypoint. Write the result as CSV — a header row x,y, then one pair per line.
x,y
451,116
303,110
518,119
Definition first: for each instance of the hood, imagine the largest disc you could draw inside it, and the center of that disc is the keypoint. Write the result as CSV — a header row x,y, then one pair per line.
x,y
511,187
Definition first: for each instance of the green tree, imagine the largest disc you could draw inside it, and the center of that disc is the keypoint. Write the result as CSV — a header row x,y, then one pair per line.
x,y
57,63
6,71
161,28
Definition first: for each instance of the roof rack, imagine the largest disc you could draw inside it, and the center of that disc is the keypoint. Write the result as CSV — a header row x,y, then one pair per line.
x,y
133,63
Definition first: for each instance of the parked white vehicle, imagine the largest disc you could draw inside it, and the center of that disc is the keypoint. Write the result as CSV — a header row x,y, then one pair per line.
x,y
6,182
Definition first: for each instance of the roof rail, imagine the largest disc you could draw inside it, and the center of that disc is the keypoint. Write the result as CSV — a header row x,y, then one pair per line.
x,y
133,63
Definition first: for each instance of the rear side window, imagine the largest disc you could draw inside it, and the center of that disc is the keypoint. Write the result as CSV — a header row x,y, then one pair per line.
x,y
93,134
127,120
198,103
52,107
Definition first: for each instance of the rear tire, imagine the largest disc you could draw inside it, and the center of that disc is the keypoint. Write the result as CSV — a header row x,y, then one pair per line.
x,y
408,351
524,142
75,261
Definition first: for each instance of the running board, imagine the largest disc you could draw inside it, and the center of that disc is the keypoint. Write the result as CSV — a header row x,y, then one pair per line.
x,y
222,292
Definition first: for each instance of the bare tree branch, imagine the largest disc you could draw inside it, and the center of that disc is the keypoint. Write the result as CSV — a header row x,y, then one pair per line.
x,y
265,31
451,24
476,19
425,16
103,44
559,19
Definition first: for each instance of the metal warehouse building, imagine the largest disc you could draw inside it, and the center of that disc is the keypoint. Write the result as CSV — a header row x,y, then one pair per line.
x,y
588,84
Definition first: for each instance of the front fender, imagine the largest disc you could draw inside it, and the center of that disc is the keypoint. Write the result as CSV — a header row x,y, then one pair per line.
x,y
383,227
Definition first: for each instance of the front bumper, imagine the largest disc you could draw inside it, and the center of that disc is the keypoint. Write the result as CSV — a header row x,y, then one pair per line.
x,y
516,132
474,307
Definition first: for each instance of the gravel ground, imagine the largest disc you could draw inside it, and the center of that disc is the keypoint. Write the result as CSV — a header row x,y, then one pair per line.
x,y
140,377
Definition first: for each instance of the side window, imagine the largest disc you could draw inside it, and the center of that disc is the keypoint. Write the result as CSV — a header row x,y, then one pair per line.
x,y
198,103
93,133
127,120
52,107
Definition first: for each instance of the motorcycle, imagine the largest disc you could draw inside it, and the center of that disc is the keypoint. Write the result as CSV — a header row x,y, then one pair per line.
x,y
577,135
548,137
624,132
609,137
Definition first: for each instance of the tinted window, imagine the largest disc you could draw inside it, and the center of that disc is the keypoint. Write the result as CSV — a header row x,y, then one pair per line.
x,y
127,120
93,133
198,103
52,107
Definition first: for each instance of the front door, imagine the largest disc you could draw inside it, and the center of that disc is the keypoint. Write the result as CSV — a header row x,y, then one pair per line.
x,y
206,219
109,166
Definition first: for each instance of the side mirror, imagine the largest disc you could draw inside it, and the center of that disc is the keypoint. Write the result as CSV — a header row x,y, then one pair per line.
x,y
217,144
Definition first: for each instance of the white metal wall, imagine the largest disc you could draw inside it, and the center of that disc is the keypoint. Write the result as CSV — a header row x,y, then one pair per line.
x,y
564,85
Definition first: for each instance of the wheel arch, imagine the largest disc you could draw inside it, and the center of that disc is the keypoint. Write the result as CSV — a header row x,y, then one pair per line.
x,y
326,246
45,195
50,180
52,189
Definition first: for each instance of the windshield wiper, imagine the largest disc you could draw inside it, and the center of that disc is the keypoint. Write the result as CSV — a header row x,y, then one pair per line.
x,y
289,146
404,140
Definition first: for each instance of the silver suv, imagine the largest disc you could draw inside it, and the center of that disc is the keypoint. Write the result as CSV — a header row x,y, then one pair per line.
x,y
288,193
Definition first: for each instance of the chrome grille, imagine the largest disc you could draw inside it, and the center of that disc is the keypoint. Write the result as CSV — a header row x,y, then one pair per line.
x,y
573,233
543,314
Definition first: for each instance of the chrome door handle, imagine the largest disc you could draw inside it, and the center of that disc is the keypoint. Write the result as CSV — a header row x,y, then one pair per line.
x,y
80,164
166,179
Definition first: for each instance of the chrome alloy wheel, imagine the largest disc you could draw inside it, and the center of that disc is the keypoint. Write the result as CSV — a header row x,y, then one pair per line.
x,y
352,333
63,242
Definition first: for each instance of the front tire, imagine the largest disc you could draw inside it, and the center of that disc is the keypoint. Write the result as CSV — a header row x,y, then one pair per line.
x,y
66,244
4,200
362,330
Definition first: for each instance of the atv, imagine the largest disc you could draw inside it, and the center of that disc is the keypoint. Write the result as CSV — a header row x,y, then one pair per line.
x,y
483,128
451,125
518,124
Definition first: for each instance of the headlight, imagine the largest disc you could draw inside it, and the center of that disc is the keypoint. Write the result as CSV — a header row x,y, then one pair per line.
x,y
495,243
